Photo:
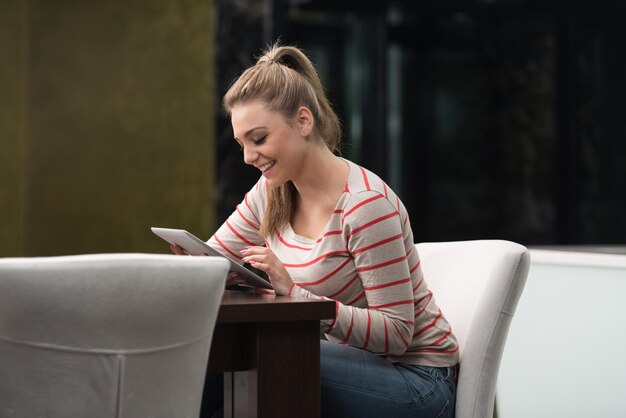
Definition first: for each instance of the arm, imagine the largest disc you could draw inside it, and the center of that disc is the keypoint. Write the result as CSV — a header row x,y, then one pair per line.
x,y
241,229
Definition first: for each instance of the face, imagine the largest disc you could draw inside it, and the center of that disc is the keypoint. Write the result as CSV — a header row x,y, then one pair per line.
x,y
270,142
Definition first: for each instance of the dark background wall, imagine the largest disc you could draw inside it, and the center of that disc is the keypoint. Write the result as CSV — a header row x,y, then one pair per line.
x,y
492,119
106,124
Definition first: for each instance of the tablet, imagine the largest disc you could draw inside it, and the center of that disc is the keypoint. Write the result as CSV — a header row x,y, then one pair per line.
x,y
195,246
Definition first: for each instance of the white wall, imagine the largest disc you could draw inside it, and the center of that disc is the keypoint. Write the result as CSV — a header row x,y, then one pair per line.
x,y
565,355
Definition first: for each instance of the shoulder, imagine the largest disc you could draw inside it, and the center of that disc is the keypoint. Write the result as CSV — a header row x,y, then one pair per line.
x,y
366,189
369,198
361,179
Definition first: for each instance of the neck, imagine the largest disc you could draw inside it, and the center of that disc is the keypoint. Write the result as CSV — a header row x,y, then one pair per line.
x,y
322,177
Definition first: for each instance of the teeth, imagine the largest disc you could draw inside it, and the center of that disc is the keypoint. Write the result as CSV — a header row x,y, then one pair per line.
x,y
267,166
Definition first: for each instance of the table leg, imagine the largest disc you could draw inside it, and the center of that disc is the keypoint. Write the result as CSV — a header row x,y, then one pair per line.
x,y
286,382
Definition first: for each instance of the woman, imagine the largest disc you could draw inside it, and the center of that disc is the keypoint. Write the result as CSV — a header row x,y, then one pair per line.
x,y
321,226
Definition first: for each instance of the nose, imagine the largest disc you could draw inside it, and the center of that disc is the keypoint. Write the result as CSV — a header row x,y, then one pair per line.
x,y
249,156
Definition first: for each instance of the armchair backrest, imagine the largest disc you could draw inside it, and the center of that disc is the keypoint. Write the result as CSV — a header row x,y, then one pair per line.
x,y
477,284
108,335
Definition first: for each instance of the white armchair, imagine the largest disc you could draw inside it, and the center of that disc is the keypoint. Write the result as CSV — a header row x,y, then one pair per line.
x,y
477,284
110,335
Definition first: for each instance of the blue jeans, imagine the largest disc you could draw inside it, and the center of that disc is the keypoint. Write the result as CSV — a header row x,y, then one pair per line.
x,y
360,384
357,383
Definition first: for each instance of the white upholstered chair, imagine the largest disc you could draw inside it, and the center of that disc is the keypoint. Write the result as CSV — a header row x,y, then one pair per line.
x,y
477,284
109,335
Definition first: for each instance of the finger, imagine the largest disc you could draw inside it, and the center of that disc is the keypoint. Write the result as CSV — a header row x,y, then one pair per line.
x,y
177,250
259,258
252,250
264,291
259,265
234,278
235,281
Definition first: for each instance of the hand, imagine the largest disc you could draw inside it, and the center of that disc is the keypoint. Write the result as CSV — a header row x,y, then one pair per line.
x,y
177,250
264,259
234,278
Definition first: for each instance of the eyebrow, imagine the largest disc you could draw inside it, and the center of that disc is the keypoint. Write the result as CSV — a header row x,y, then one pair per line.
x,y
249,131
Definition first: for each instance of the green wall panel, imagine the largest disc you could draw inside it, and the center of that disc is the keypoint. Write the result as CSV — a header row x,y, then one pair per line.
x,y
13,111
120,129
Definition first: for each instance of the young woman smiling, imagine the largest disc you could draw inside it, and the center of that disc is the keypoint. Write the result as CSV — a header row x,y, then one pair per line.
x,y
321,226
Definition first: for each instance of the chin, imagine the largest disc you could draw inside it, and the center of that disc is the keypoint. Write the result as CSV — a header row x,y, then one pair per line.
x,y
275,182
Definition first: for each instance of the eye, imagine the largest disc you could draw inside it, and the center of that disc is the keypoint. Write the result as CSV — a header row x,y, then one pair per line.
x,y
260,140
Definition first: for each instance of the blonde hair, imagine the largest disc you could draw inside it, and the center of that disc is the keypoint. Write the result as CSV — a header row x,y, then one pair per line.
x,y
285,79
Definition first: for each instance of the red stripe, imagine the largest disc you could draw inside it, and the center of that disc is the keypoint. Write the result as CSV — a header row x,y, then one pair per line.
x,y
321,257
387,305
329,275
375,221
379,243
367,183
418,285
359,296
291,288
346,189
336,211
416,266
429,296
365,202
406,219
386,263
429,326
226,248
382,286
398,203
327,234
436,342
385,188
246,219
408,239
406,343
286,244
241,237
344,287
345,341
367,332
430,351
250,209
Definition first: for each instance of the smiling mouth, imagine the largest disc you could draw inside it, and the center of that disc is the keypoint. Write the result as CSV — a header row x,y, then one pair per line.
x,y
267,166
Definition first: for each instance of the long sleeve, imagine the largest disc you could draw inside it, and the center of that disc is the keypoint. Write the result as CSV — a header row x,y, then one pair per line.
x,y
242,226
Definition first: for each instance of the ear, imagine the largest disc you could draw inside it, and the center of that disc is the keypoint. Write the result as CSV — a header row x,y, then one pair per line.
x,y
305,121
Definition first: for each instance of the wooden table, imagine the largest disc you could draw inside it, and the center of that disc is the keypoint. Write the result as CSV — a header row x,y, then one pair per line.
x,y
268,348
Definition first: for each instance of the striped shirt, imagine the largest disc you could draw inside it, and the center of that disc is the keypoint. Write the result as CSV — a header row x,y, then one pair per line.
x,y
365,260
